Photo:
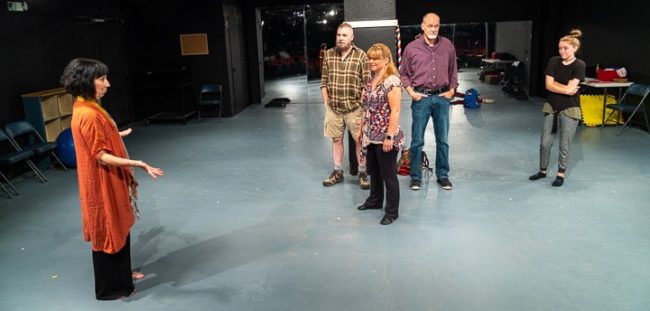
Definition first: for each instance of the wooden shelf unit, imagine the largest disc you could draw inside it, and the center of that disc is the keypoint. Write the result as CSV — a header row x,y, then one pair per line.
x,y
49,111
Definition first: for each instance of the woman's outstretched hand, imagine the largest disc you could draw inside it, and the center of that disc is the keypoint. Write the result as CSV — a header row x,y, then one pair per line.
x,y
126,132
154,172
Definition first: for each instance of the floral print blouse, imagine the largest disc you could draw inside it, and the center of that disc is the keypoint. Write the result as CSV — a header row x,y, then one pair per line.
x,y
377,113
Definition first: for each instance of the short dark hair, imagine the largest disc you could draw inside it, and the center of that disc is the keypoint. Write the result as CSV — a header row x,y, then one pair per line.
x,y
79,76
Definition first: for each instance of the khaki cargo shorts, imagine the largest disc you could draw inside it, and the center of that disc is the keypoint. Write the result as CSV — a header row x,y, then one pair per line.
x,y
335,123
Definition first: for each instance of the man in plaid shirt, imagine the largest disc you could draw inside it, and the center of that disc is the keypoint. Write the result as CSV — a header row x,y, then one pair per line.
x,y
345,72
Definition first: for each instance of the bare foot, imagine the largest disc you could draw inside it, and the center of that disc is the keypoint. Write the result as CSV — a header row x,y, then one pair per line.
x,y
137,275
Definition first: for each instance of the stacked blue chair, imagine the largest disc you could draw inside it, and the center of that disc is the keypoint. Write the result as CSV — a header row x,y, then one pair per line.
x,y
12,157
34,141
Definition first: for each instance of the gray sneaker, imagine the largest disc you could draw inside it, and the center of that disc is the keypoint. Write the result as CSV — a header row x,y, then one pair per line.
x,y
364,183
415,184
335,178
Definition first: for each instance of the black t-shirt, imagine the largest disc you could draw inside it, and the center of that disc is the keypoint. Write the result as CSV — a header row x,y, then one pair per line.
x,y
563,74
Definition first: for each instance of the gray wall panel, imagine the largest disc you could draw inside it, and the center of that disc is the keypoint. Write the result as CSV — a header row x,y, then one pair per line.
x,y
356,10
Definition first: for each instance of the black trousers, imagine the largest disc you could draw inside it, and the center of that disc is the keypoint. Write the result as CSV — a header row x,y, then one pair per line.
x,y
113,278
352,155
383,172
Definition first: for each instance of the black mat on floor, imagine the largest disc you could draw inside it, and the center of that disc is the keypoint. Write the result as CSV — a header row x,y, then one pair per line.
x,y
278,102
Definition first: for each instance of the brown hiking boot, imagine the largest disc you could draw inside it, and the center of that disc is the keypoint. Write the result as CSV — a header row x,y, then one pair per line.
x,y
335,178
364,183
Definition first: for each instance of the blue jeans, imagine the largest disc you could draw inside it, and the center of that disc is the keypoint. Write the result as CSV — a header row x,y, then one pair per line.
x,y
436,107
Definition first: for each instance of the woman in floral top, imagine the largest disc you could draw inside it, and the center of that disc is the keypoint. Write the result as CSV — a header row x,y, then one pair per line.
x,y
381,134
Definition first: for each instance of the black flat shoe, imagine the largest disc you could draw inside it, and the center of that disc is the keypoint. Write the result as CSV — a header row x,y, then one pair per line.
x,y
559,181
364,207
387,220
537,176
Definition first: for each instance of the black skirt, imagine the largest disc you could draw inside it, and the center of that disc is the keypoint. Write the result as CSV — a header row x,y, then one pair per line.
x,y
113,275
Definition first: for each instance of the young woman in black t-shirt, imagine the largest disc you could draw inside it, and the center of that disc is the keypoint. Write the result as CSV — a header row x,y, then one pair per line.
x,y
562,108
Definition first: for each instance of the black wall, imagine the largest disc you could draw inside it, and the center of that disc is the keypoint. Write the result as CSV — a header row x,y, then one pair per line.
x,y
614,34
23,39
37,44
410,12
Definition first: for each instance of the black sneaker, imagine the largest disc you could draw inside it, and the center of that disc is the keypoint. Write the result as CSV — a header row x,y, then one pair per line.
x,y
445,183
415,184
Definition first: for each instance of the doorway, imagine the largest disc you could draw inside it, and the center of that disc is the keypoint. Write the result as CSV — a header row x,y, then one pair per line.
x,y
292,39
237,70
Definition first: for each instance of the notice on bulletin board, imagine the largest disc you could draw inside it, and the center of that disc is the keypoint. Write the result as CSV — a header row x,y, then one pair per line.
x,y
194,44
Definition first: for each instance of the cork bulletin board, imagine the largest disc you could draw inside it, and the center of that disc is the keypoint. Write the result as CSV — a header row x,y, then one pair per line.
x,y
194,44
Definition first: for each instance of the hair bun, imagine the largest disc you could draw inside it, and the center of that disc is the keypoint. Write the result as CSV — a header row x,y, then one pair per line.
x,y
576,33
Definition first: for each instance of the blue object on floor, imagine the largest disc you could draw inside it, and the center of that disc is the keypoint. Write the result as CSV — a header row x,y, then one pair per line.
x,y
471,99
65,148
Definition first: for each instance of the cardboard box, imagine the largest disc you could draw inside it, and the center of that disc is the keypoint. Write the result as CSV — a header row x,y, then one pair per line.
x,y
492,79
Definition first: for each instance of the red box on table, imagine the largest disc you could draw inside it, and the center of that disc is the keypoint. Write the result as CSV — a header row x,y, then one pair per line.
x,y
606,75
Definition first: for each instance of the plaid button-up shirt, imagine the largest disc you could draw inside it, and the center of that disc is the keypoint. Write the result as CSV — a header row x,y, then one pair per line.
x,y
344,79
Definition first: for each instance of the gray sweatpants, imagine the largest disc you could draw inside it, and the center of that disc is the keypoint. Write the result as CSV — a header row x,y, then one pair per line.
x,y
566,130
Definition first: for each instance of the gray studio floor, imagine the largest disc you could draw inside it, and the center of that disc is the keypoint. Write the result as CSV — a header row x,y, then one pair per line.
x,y
241,221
